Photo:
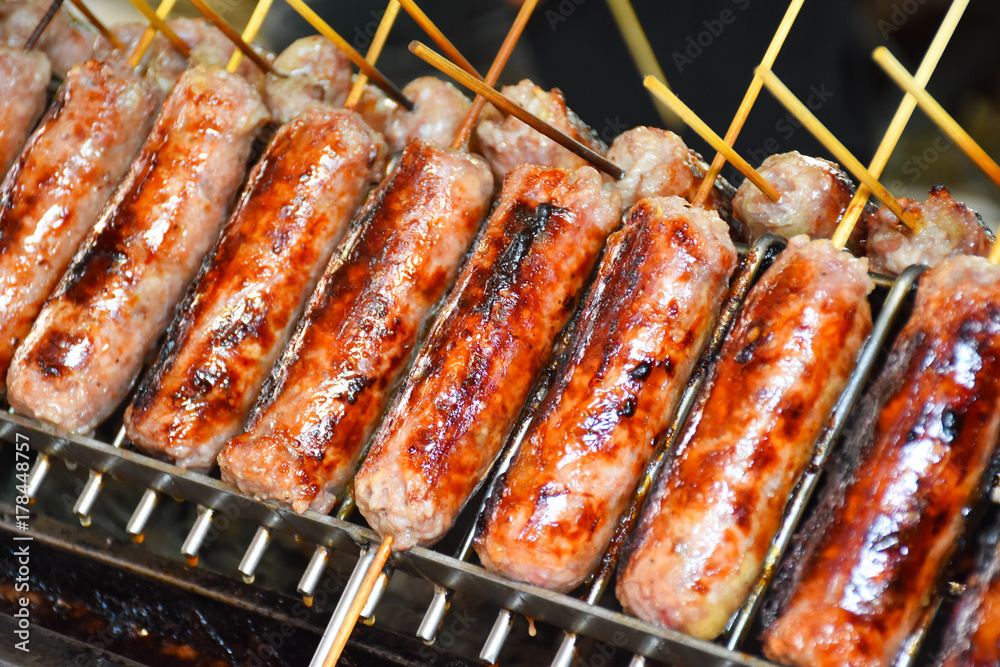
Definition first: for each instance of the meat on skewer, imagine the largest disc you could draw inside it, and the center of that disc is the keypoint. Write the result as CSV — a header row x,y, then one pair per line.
x,y
658,163
66,41
814,195
715,509
507,143
24,80
649,312
330,387
316,72
888,523
88,344
947,227
61,182
491,338
240,312
973,637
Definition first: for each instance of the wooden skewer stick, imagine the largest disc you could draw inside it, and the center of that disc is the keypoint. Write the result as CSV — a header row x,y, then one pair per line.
x,y
902,115
480,88
706,133
748,101
937,113
163,11
374,51
832,144
162,26
250,31
510,41
234,36
642,55
437,36
358,603
96,22
47,17
352,54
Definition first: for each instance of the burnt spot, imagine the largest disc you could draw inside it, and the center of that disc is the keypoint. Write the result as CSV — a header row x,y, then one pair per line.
x,y
522,227
59,352
753,339
792,413
627,409
641,371
356,386
668,366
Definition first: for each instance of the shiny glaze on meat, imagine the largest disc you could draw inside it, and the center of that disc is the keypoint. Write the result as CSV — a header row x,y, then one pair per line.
x,y
315,72
658,163
650,311
814,195
241,311
947,227
714,511
883,534
119,293
492,337
24,79
61,182
507,142
329,389
439,109
973,638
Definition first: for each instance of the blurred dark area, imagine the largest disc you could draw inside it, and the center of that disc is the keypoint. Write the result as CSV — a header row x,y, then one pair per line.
x,y
707,51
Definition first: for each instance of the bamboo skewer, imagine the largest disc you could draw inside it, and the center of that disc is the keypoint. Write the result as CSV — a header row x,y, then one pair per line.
x,y
162,26
374,51
96,22
706,133
936,112
510,41
234,36
902,116
163,11
47,17
437,36
253,26
642,54
344,631
748,101
832,144
480,88
321,26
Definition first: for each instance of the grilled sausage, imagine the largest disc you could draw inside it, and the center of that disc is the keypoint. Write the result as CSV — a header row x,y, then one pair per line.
x,y
61,182
492,337
714,511
814,195
243,307
119,293
947,227
651,309
973,638
315,72
508,142
329,389
24,79
659,163
66,41
886,528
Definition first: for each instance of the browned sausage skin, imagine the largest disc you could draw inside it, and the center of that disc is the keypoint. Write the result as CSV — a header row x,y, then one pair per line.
x,y
329,388
119,293
493,335
241,311
883,533
650,311
61,182
973,638
714,511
